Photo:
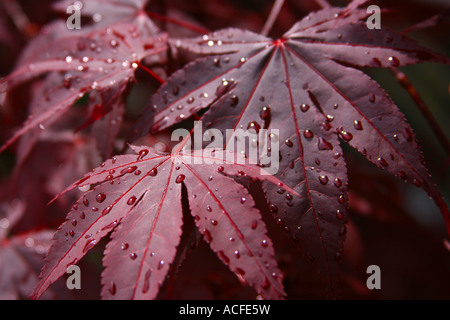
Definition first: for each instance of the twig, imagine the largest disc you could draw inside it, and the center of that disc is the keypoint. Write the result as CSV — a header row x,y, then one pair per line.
x,y
183,24
323,3
406,83
272,17
19,18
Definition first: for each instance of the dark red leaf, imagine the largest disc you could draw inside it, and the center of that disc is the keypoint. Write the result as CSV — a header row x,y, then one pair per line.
x,y
140,194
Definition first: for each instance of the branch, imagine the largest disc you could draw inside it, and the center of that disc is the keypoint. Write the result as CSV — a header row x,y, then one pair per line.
x,y
323,3
272,17
406,83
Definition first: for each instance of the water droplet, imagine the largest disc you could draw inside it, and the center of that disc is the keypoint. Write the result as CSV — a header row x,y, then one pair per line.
x,y
407,134
82,216
266,284
265,112
337,182
223,257
234,100
402,175
107,210
160,264
323,179
153,172
112,288
243,200
124,246
142,154
308,134
133,256
237,254
358,125
273,208
89,245
345,135
382,161
74,222
393,61
417,182
330,118
289,143
264,243
324,144
100,197
128,170
131,201
339,214
214,222
254,126
304,107
180,178
341,199
146,285
208,208
254,224
372,98
326,125
220,168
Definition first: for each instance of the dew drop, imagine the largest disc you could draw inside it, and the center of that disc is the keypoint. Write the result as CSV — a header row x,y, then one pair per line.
x,y
382,161
358,125
234,100
243,200
393,61
264,243
337,182
308,134
345,135
160,264
146,285
324,145
124,246
407,134
304,107
180,178
254,126
142,154
417,182
107,210
264,113
131,201
339,214
323,179
153,172
133,256
89,245
112,288
100,197
341,199
289,143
